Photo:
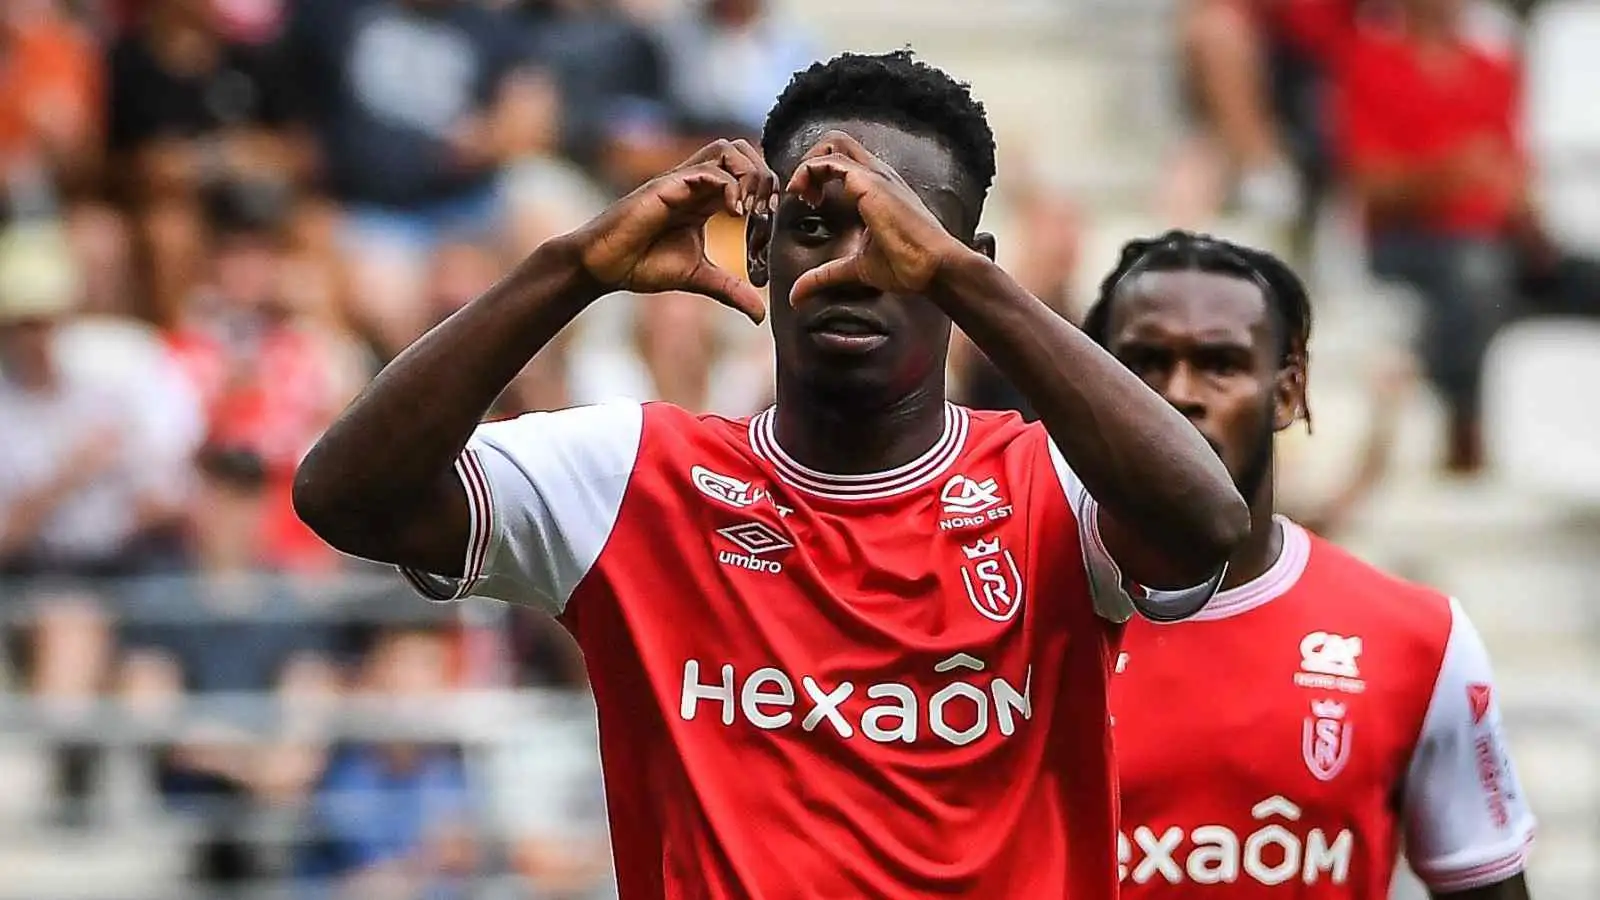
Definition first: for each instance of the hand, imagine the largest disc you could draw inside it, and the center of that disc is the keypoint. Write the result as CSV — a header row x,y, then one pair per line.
x,y
654,240
904,247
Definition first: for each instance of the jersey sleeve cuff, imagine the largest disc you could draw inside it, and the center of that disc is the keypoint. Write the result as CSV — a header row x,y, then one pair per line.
x,y
1173,605
1450,876
480,511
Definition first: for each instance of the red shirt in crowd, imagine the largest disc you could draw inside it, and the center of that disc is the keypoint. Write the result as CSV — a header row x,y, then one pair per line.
x,y
1320,29
274,400
1399,107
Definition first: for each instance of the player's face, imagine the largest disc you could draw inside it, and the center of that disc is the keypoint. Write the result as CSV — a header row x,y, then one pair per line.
x,y
1207,343
855,343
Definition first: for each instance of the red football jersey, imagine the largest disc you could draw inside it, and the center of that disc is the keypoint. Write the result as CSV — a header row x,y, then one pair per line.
x,y
809,685
1284,741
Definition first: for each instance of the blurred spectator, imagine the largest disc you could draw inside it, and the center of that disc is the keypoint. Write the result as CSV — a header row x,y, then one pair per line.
x,y
396,819
1430,130
50,101
93,473
548,799
86,486
1044,259
190,110
227,631
616,114
728,60
417,106
271,380
1332,513
1255,72
677,347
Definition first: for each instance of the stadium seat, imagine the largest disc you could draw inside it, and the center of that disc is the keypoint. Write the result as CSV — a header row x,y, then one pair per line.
x,y
1541,417
1563,120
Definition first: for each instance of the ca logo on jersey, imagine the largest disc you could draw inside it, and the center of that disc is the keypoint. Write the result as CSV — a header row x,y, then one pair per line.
x,y
1328,662
1326,740
965,503
992,579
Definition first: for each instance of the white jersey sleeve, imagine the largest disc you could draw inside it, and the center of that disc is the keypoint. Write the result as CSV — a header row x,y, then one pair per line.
x,y
543,491
1116,597
1467,822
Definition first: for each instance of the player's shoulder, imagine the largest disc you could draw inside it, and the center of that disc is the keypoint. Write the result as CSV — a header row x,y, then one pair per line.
x,y
663,420
998,431
1374,599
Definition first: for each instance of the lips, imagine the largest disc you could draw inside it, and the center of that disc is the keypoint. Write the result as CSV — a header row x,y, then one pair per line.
x,y
846,321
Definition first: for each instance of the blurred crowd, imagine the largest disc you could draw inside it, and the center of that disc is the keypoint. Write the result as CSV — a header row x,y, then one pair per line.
x,y
1411,113
221,217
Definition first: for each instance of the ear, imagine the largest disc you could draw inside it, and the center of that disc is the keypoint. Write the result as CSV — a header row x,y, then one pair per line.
x,y
758,248
983,242
1289,403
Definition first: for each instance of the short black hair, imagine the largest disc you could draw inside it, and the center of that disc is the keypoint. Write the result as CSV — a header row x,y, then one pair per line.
x,y
896,89
1179,250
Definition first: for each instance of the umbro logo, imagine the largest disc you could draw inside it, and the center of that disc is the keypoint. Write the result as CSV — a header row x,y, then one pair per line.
x,y
754,537
966,503
756,542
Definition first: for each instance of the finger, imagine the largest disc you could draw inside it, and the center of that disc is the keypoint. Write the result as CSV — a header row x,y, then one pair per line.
x,y
711,152
841,143
757,179
812,177
703,189
833,273
728,289
722,155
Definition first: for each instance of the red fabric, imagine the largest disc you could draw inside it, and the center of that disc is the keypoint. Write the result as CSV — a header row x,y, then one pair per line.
x,y
274,403
1320,28
725,778
1246,800
1395,110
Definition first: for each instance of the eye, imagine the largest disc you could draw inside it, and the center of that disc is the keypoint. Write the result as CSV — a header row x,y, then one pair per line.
x,y
1141,361
1225,364
812,228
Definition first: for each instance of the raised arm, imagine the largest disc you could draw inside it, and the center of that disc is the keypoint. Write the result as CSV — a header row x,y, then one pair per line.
x,y
1168,513
381,484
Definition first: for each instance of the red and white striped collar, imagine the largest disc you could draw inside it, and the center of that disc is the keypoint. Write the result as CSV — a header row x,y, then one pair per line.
x,y
1283,574
868,486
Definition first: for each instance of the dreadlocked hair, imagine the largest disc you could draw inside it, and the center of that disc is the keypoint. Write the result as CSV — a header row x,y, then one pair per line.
x,y
893,88
1179,250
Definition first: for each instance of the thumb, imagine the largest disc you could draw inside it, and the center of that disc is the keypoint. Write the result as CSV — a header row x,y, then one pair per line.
x,y
728,289
829,274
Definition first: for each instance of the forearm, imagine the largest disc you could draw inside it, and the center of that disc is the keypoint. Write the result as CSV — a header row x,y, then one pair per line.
x,y
408,426
21,523
1147,466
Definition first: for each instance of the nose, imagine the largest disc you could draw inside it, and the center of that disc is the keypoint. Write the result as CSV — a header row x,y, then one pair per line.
x,y
1183,389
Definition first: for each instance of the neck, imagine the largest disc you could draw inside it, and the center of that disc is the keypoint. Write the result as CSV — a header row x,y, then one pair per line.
x,y
824,434
1261,549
